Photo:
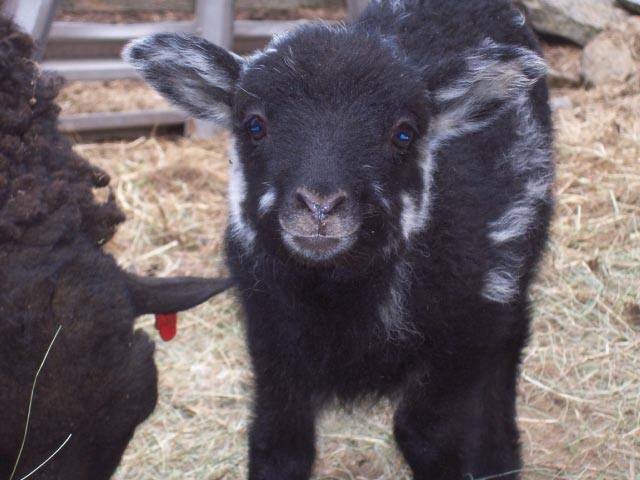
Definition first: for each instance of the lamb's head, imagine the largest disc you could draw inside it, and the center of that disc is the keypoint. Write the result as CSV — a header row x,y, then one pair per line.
x,y
334,131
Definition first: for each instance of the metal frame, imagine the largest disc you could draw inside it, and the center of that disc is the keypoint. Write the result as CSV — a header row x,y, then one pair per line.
x,y
35,17
91,122
214,22
66,39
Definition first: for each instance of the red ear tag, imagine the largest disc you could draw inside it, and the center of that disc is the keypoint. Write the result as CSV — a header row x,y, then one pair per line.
x,y
167,325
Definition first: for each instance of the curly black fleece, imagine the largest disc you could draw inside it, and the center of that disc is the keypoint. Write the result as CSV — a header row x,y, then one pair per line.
x,y
99,381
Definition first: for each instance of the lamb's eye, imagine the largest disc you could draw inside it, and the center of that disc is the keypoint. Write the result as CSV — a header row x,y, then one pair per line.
x,y
256,127
403,135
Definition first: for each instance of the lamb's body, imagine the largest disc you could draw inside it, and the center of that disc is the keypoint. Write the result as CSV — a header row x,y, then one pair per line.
x,y
451,348
428,299
99,380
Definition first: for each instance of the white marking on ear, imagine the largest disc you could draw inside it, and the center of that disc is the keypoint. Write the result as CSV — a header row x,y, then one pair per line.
x,y
488,79
497,78
240,228
192,58
185,69
267,201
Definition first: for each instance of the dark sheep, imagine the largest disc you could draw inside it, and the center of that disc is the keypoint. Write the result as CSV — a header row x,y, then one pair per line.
x,y
390,200
99,380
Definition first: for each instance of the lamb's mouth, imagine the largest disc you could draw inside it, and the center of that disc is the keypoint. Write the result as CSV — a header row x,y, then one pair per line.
x,y
318,248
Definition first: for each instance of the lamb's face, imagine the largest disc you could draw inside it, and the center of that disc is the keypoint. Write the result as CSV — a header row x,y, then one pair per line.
x,y
334,130
326,145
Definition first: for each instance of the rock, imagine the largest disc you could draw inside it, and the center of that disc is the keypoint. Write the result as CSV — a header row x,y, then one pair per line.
x,y
631,5
575,20
612,56
564,65
563,79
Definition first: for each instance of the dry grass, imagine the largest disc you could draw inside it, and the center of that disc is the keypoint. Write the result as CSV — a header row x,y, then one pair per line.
x,y
109,96
579,404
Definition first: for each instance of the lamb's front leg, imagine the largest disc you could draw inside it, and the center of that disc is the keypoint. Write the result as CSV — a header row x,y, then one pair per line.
x,y
461,423
282,436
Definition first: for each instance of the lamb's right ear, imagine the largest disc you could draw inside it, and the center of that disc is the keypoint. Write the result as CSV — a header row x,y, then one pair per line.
x,y
189,71
167,295
495,78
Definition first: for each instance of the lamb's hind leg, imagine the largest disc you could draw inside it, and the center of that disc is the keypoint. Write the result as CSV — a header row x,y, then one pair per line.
x,y
494,449
428,434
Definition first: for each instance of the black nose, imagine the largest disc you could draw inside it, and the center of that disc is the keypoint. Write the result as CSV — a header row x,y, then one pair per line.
x,y
320,206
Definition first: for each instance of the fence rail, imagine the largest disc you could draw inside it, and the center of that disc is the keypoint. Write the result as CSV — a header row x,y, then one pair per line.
x,y
73,47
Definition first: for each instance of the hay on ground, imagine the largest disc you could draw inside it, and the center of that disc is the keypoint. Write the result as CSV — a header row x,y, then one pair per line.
x,y
109,96
579,403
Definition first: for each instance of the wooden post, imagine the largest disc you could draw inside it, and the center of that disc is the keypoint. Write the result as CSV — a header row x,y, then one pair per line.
x,y
214,22
355,8
34,17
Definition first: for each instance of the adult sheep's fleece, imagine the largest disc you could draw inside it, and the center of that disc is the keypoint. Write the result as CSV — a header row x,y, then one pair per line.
x,y
99,381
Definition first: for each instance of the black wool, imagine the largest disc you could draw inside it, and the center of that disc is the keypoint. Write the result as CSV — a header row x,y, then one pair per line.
x,y
99,381
390,199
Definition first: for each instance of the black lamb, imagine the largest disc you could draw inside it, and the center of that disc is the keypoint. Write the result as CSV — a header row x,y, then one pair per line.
x,y
390,200
99,380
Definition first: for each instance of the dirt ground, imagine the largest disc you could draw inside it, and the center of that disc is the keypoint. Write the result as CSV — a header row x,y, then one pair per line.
x,y
579,394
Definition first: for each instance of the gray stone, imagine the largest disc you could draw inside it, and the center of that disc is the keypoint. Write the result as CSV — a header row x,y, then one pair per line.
x,y
611,57
562,78
631,5
575,20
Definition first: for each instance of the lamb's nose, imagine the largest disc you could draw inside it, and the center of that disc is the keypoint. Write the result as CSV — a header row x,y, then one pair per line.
x,y
320,206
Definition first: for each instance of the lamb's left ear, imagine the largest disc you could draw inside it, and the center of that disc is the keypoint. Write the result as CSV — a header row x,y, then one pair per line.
x,y
495,78
190,72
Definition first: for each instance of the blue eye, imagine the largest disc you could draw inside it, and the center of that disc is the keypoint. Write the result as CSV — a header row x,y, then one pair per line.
x,y
403,135
256,127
